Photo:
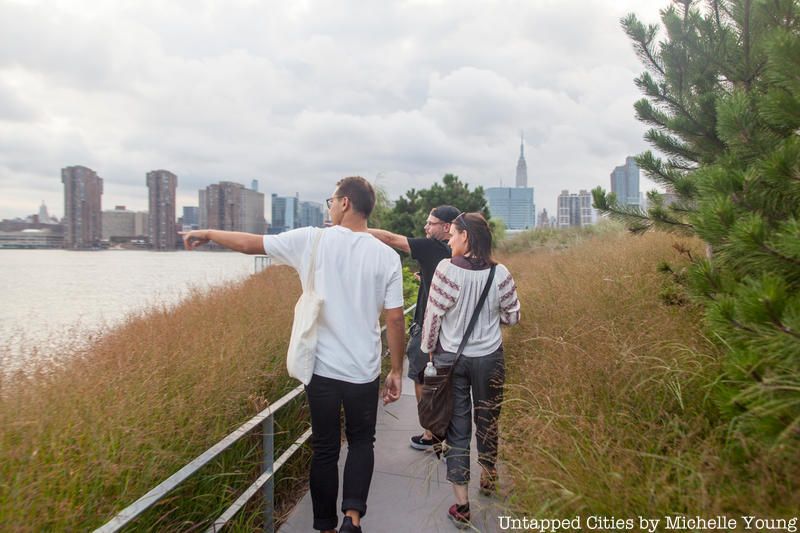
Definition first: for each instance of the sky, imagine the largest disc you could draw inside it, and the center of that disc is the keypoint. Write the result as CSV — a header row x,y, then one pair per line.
x,y
300,94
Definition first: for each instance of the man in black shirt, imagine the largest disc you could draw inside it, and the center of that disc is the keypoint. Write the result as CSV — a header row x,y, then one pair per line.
x,y
428,252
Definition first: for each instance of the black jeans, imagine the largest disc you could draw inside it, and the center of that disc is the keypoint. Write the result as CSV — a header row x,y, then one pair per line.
x,y
325,399
484,377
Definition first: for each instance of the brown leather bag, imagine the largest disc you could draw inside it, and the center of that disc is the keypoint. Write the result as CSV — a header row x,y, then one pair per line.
x,y
435,407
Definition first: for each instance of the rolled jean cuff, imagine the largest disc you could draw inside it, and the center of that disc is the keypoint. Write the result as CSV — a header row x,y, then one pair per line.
x,y
352,504
458,474
458,480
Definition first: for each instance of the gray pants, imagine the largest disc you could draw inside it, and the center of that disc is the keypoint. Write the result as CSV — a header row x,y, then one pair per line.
x,y
484,377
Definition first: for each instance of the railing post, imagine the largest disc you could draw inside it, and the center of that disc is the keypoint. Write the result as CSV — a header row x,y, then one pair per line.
x,y
268,492
261,262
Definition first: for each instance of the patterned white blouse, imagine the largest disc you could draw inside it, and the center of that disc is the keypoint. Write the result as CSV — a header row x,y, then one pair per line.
x,y
453,295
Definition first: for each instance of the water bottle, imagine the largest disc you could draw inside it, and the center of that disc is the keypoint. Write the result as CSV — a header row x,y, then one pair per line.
x,y
430,370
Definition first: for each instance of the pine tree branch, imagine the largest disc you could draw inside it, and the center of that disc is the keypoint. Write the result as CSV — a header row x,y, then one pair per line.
x,y
660,216
675,163
739,325
681,209
638,220
659,94
775,253
746,42
776,321
671,145
715,10
643,39
650,115
659,172
676,223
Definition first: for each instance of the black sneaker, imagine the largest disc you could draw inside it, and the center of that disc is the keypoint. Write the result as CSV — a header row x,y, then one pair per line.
x,y
418,443
348,527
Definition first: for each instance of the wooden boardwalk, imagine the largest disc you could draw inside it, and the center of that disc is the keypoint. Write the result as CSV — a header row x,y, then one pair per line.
x,y
409,490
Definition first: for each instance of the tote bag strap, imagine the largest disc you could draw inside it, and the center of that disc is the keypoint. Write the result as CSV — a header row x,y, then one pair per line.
x,y
312,266
474,318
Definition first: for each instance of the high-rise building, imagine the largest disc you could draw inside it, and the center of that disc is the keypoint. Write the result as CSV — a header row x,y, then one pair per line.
x,y
161,228
254,185
625,182
44,216
222,205
119,224
575,210
543,220
252,214
229,206
285,213
522,166
190,217
83,195
202,211
140,221
515,206
311,214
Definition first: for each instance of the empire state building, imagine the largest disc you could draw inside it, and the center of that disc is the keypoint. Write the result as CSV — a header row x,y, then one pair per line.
x,y
514,205
522,166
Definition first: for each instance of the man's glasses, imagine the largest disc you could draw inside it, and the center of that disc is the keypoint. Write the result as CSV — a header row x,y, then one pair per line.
x,y
330,200
429,223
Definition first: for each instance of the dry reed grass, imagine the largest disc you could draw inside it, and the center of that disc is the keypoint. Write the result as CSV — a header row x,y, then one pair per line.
x,y
608,407
83,439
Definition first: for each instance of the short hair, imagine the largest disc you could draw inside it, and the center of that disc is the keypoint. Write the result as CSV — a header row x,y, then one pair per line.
x,y
360,193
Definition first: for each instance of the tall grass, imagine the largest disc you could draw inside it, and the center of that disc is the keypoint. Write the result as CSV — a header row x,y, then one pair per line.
x,y
608,406
554,239
82,439
608,400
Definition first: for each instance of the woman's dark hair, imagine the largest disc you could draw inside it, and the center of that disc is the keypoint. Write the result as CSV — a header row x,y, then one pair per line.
x,y
479,236
360,193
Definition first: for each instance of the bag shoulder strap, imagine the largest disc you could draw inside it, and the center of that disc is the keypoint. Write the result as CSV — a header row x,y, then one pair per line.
x,y
312,266
474,318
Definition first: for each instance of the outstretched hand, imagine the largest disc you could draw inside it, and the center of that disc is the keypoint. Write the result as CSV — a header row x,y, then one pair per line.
x,y
193,239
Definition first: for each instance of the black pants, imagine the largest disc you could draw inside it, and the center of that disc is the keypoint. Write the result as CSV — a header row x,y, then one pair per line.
x,y
325,399
483,377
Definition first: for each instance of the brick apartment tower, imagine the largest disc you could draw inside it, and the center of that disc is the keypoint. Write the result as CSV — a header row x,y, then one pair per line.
x,y
83,193
221,205
161,226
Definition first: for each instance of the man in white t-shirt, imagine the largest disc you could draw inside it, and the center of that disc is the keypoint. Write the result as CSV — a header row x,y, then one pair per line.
x,y
357,277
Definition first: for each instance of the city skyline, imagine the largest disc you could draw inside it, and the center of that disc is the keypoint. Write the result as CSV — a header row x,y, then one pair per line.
x,y
515,206
319,95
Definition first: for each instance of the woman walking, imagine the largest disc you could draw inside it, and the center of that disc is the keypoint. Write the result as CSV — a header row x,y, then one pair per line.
x,y
454,295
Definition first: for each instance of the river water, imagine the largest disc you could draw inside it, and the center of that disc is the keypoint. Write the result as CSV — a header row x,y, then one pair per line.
x,y
46,295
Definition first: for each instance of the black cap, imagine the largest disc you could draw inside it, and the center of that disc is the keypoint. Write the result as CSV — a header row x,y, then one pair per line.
x,y
446,213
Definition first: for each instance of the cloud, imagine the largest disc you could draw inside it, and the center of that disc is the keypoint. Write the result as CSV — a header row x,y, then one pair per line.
x,y
299,94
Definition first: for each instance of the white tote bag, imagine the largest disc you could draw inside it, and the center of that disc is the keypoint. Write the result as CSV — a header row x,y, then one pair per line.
x,y
300,357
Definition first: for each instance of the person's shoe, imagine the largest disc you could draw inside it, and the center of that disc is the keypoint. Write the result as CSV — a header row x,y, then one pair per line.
x,y
488,483
348,527
459,515
419,443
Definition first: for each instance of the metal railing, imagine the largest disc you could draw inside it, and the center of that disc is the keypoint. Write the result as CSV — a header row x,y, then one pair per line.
x,y
261,262
266,419
265,482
